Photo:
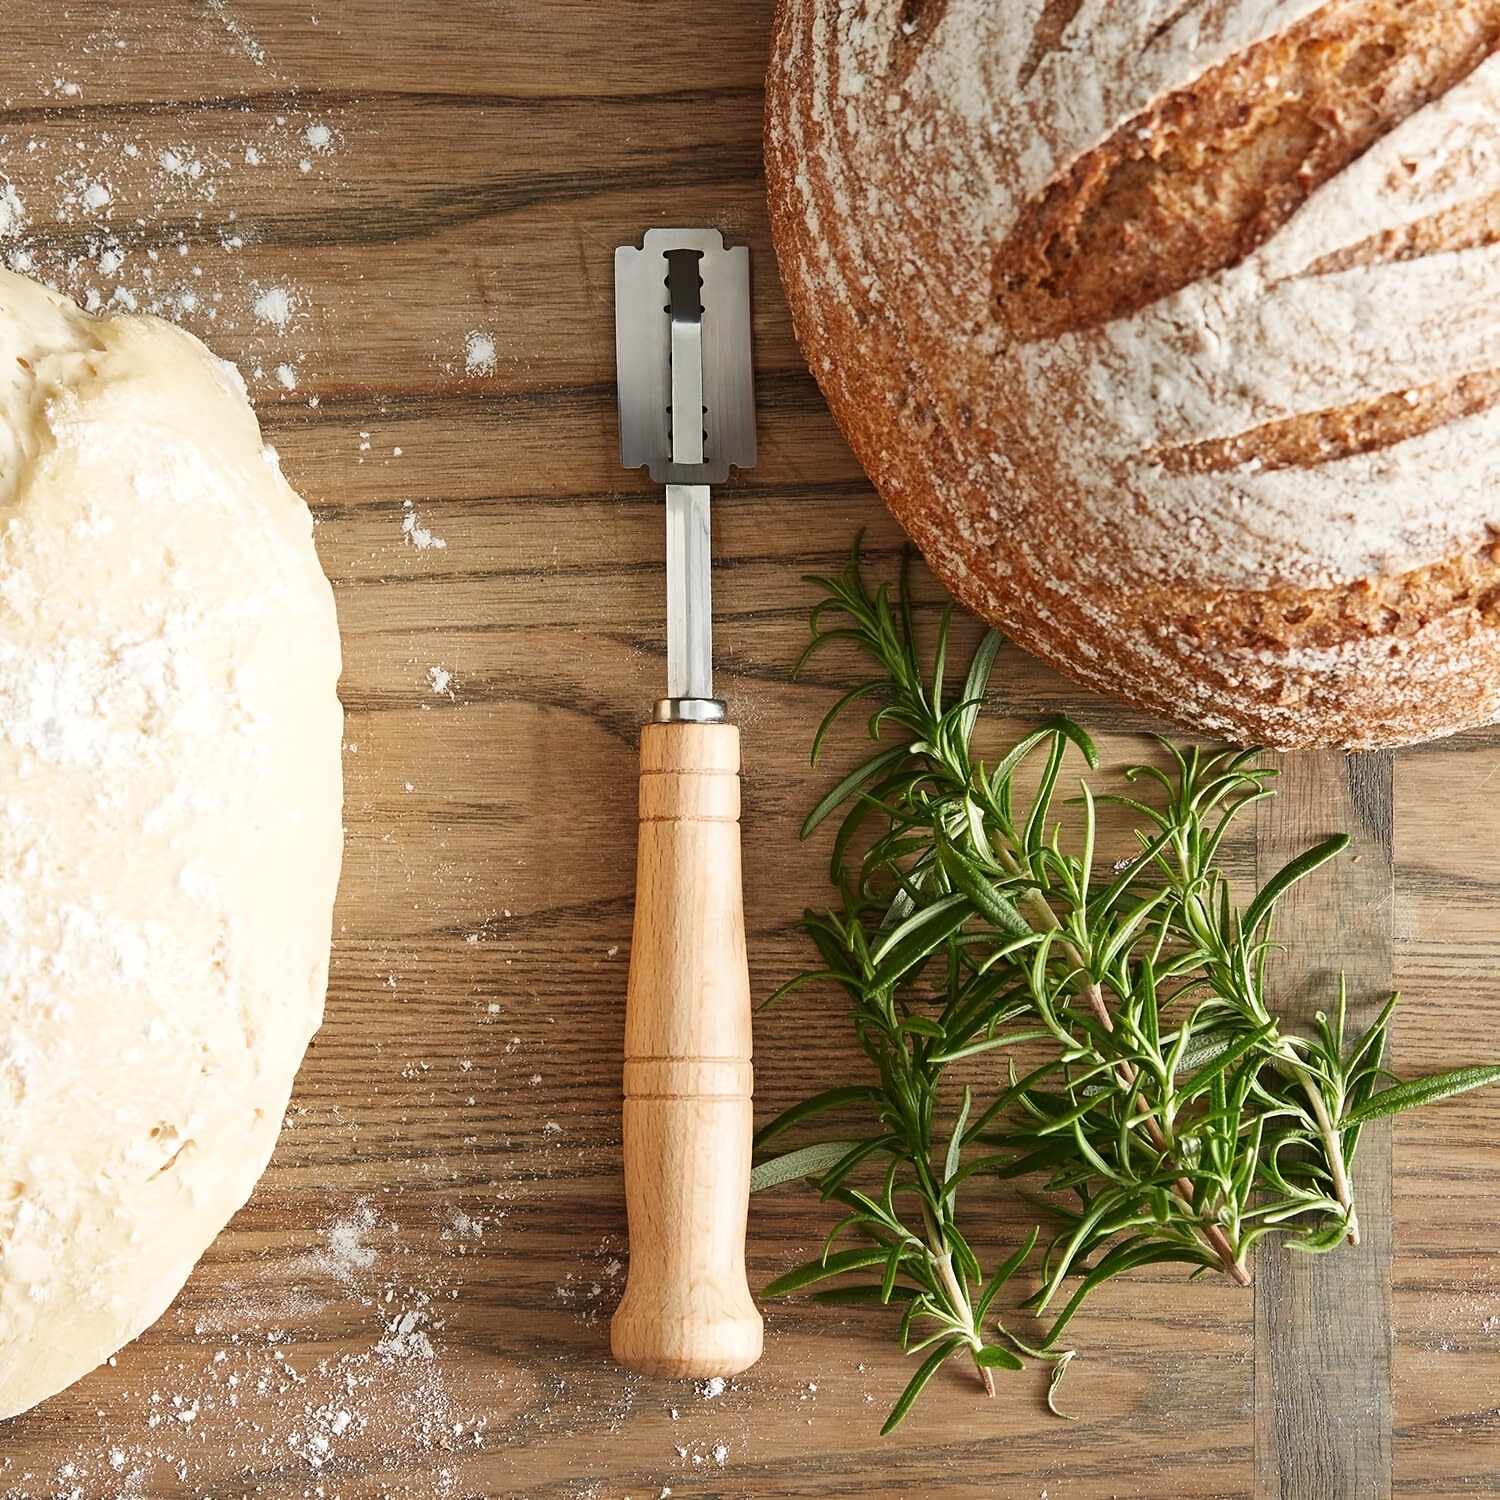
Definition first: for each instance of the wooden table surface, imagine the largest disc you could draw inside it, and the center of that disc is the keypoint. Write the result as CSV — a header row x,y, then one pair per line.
x,y
416,1299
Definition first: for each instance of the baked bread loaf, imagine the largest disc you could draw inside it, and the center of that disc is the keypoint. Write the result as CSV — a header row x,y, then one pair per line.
x,y
1171,333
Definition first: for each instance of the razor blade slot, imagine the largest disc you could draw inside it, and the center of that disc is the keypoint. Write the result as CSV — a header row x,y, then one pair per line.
x,y
685,307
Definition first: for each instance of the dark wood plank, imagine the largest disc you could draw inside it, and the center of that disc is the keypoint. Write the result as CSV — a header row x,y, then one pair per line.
x,y
1323,1323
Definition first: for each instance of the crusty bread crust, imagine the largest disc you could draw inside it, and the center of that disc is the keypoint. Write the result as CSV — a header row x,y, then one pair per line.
x,y
983,353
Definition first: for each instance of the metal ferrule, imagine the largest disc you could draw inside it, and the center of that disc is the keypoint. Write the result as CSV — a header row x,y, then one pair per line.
x,y
689,711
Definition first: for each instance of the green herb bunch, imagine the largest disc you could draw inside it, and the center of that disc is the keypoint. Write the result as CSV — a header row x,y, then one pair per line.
x,y
1135,1071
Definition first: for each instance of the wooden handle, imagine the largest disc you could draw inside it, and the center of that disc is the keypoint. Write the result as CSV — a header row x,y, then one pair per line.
x,y
687,1309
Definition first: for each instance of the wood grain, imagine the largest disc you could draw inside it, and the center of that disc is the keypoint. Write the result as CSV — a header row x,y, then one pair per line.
x,y
449,1180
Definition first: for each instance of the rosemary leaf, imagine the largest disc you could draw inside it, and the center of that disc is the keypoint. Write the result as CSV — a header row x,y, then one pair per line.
x,y
1421,1091
806,1161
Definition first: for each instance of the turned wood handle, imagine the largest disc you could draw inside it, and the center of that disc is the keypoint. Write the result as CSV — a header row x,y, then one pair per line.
x,y
687,1309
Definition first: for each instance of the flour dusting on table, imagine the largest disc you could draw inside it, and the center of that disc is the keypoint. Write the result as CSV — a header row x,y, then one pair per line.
x,y
479,353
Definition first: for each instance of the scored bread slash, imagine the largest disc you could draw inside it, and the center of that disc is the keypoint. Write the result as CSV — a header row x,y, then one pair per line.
x,y
687,412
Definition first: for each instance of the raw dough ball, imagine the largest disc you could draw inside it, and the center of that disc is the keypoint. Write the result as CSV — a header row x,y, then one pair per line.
x,y
170,820
1171,332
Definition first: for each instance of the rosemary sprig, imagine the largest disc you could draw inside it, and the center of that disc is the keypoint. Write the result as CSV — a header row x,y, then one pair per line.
x,y
1135,1070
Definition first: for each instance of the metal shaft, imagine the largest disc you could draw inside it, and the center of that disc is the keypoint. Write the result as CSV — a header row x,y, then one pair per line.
x,y
690,671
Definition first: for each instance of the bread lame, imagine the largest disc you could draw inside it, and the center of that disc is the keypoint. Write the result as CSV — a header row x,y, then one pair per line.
x,y
687,411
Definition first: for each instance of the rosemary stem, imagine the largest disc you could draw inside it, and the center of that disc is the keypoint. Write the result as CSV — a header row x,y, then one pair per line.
x,y
1093,996
942,1259
1333,1142
1334,1147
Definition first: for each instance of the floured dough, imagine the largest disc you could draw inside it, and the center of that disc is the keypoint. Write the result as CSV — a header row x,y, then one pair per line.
x,y
170,820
